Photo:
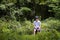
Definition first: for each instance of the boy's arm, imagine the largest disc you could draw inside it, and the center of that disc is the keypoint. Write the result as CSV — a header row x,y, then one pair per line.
x,y
34,24
40,24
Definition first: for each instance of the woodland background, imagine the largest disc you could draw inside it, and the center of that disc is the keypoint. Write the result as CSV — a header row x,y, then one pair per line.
x,y
17,16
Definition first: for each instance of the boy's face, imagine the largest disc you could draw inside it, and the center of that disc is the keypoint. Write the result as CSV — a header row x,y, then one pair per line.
x,y
37,19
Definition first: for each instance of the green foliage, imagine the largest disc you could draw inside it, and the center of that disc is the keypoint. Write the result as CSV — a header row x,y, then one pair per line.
x,y
13,30
51,23
25,11
2,6
8,1
49,35
54,4
15,26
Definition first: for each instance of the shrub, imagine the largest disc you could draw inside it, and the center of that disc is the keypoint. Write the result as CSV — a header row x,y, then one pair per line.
x,y
51,35
27,27
13,30
51,24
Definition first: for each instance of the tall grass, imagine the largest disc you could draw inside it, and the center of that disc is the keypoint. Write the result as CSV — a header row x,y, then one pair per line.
x,y
14,30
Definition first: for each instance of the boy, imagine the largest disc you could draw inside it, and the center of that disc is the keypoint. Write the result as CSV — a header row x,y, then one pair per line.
x,y
37,25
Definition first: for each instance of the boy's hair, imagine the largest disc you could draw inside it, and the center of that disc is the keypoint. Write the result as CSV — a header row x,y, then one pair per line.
x,y
36,17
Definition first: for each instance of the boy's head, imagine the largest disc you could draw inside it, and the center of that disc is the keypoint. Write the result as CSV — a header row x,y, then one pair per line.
x,y
36,18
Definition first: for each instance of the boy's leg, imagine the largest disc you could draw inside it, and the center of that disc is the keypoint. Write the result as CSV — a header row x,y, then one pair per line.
x,y
34,31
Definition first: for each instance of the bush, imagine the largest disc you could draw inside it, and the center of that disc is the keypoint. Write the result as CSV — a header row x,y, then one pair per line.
x,y
13,30
8,29
51,24
51,35
27,27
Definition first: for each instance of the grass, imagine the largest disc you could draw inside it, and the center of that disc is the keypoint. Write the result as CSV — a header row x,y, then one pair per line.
x,y
13,30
